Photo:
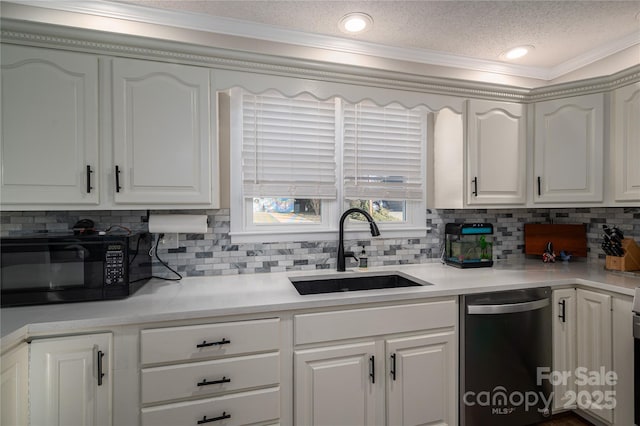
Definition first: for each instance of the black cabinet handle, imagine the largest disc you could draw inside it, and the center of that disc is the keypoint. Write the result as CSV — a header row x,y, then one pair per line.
x,y
215,382
100,371
393,366
214,419
372,366
475,186
563,310
204,343
89,187
118,187
539,186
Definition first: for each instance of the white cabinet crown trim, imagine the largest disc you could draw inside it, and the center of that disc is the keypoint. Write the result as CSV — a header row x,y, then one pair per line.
x,y
39,34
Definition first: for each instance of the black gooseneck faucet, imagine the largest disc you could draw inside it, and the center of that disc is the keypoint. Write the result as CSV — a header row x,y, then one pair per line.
x,y
341,254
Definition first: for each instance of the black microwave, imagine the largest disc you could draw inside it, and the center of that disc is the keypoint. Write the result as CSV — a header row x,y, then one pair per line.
x,y
45,268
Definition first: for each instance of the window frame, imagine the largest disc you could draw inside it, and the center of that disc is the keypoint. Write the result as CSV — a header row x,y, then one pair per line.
x,y
244,230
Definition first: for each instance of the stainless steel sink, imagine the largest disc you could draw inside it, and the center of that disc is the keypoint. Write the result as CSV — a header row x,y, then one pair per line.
x,y
340,283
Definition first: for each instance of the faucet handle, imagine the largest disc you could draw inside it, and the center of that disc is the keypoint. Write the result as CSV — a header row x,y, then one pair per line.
x,y
351,254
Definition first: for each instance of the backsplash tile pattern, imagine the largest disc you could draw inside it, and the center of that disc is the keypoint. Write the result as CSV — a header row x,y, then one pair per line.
x,y
214,254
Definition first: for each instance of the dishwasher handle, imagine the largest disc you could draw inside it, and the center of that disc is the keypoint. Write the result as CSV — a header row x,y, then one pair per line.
x,y
509,308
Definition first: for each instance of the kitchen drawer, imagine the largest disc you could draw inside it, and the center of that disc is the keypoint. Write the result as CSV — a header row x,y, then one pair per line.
x,y
181,381
353,323
209,340
243,408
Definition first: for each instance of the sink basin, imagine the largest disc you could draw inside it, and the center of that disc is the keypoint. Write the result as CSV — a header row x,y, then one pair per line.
x,y
340,283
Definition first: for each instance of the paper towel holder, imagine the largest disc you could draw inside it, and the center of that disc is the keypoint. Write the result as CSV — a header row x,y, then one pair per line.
x,y
178,223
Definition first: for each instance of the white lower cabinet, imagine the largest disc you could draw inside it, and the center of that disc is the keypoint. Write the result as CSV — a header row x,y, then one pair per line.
x,y
593,348
14,391
229,410
594,351
334,386
405,376
564,346
421,380
225,373
70,381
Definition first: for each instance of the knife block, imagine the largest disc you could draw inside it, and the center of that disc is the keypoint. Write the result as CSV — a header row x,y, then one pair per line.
x,y
630,261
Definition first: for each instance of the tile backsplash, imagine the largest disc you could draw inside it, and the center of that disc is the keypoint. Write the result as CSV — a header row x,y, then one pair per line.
x,y
214,254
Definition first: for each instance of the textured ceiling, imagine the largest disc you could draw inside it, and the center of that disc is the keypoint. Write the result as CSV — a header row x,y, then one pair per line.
x,y
559,30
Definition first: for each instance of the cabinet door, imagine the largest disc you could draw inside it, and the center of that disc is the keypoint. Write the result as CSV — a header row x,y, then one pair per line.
x,y
623,365
162,133
564,346
568,159
14,393
626,142
496,153
64,382
333,385
421,383
49,126
594,352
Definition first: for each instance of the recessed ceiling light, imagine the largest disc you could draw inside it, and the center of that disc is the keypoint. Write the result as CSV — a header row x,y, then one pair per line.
x,y
517,52
355,23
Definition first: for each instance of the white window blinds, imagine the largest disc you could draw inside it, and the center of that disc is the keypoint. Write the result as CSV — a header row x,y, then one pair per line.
x,y
288,147
383,152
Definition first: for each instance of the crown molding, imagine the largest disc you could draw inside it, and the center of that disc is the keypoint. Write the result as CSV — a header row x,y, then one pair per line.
x,y
91,41
240,28
585,87
594,55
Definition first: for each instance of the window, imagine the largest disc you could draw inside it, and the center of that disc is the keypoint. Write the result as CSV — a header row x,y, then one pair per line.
x,y
297,163
384,159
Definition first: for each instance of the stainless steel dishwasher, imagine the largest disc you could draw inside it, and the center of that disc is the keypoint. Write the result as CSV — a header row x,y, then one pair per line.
x,y
505,345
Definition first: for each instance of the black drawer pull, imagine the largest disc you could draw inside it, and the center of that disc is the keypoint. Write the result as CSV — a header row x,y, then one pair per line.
x,y
215,382
475,186
563,313
100,367
372,366
118,187
539,186
204,343
214,419
89,187
393,366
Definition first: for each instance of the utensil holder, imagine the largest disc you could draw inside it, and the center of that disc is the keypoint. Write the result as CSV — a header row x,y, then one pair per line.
x,y
630,261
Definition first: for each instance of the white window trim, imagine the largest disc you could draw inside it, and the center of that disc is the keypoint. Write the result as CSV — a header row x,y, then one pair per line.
x,y
242,229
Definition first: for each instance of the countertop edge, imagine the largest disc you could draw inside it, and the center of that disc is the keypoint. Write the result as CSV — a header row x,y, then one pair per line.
x,y
60,327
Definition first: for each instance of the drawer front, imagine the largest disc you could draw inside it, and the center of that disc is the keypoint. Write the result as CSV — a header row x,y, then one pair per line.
x,y
354,323
242,409
199,378
208,341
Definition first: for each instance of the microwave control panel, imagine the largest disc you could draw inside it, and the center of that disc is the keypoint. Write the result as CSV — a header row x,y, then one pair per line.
x,y
114,267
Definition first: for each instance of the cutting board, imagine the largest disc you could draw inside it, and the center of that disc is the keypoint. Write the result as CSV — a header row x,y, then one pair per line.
x,y
568,238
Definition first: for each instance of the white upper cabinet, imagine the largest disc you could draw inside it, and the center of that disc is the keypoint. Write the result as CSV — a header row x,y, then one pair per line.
x,y
496,153
162,133
626,143
49,142
568,150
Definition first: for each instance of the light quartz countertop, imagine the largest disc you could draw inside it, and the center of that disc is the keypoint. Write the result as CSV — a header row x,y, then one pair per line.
x,y
202,297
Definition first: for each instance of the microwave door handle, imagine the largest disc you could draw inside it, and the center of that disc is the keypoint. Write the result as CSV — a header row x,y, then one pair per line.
x,y
509,308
